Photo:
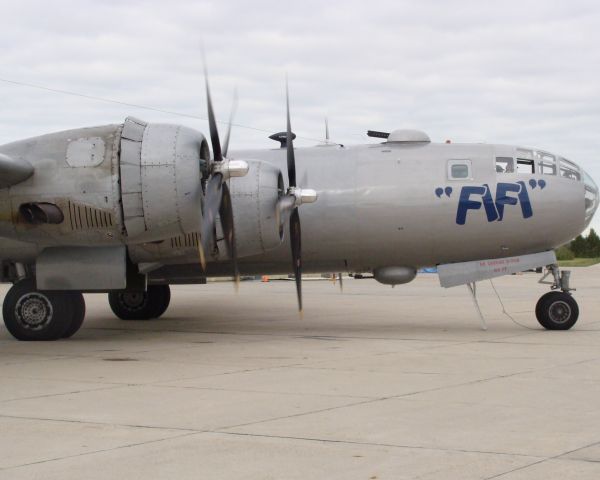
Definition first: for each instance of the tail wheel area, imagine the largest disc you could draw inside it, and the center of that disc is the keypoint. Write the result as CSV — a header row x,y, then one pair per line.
x,y
140,305
30,314
557,311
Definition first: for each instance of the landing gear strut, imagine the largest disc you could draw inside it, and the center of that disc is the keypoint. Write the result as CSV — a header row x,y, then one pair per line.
x,y
557,310
31,314
140,305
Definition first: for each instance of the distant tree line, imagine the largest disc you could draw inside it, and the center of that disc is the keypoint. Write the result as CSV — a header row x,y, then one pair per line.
x,y
581,247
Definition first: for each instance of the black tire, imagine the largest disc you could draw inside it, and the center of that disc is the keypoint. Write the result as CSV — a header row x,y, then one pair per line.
x,y
30,314
78,314
140,305
165,301
557,311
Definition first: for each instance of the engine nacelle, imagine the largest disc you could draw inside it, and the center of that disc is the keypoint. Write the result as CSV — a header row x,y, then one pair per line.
x,y
106,185
161,170
254,198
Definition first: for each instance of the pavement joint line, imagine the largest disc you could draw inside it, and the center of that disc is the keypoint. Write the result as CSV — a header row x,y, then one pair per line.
x,y
161,383
189,433
103,450
391,397
75,392
55,379
210,375
369,401
269,392
270,335
553,457
373,444
104,424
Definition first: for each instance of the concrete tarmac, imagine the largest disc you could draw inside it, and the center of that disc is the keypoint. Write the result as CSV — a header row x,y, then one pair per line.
x,y
374,383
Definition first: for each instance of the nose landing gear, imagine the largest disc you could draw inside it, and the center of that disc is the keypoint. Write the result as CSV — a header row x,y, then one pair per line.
x,y
557,310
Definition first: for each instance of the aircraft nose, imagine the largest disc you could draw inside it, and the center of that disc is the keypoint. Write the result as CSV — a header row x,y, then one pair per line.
x,y
591,197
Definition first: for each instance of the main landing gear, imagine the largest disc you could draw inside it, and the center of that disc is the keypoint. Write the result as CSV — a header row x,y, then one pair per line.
x,y
31,314
140,305
557,310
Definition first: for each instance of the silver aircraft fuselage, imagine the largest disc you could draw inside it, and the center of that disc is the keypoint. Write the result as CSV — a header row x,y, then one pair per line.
x,y
407,204
380,205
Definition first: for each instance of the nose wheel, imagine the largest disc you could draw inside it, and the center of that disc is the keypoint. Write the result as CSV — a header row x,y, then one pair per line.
x,y
30,314
557,310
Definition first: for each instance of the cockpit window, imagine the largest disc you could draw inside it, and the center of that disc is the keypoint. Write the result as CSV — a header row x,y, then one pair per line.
x,y
568,169
505,165
546,163
525,161
525,154
525,166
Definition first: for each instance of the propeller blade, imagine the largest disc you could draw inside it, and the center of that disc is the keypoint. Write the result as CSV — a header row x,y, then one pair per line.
x,y
212,203
226,215
231,115
295,239
212,123
341,282
291,160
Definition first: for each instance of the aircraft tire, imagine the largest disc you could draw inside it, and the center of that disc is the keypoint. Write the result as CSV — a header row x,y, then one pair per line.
x,y
140,305
30,314
165,300
557,311
78,314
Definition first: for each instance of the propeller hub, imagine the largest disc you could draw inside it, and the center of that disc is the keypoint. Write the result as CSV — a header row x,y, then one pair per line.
x,y
303,195
231,168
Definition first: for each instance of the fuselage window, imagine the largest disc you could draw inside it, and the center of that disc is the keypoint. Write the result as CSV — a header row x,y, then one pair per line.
x,y
505,165
568,169
525,166
459,169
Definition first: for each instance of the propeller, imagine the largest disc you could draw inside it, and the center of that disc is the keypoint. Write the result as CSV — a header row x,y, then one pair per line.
x,y
230,123
291,201
217,198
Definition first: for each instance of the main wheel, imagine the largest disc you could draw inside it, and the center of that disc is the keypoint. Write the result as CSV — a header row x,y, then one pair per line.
x,y
30,314
140,305
78,314
557,311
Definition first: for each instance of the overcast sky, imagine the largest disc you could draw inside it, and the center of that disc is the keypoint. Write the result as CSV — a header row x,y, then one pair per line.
x,y
521,72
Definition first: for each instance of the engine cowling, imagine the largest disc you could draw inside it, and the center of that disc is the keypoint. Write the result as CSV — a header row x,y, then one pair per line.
x,y
161,170
254,199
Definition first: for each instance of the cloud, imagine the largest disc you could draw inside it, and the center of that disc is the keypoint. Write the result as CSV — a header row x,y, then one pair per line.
x,y
523,72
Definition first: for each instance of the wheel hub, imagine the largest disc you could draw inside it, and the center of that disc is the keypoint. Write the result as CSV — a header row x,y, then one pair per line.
x,y
34,311
559,311
133,300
